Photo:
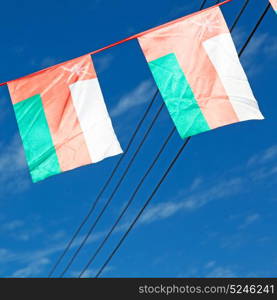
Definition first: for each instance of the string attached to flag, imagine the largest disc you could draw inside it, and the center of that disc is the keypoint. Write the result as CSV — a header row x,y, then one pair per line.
x,y
135,36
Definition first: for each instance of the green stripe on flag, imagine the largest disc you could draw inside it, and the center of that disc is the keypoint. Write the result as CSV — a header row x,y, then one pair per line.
x,y
37,141
178,96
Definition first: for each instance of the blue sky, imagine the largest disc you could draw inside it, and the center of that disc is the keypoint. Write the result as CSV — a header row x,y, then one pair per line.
x,y
215,215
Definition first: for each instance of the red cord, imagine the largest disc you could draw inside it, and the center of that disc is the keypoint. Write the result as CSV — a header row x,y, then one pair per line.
x,y
129,38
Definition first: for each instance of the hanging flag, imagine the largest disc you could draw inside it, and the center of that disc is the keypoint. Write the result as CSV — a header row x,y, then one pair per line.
x,y
197,70
62,118
274,4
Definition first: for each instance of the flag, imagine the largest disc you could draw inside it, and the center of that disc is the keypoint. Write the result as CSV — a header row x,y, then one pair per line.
x,y
62,118
274,4
197,70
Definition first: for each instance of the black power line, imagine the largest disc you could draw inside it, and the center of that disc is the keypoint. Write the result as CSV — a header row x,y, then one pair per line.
x,y
84,221
254,29
108,201
130,200
136,190
167,171
114,191
239,15
144,207
203,4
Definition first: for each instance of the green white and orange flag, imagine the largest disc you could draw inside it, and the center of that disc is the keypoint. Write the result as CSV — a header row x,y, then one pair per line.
x,y
274,4
62,118
197,70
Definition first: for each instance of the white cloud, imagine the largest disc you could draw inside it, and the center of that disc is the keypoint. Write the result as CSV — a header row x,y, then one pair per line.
x,y
263,44
256,44
48,62
187,201
219,272
12,165
102,63
138,96
12,225
45,62
238,37
270,47
200,193
28,234
269,154
6,255
249,220
209,264
265,156
196,183
91,272
233,241
59,235
264,172
32,269
210,269
263,165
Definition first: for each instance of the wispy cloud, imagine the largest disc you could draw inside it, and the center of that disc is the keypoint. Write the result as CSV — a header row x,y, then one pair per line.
x,y
28,234
12,165
198,194
249,220
45,62
12,225
210,269
263,44
32,269
48,62
6,255
91,272
21,230
263,164
209,264
219,272
264,172
187,201
265,156
138,96
102,63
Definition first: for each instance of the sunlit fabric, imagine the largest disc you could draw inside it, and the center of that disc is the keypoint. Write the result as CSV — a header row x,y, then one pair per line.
x,y
197,70
62,118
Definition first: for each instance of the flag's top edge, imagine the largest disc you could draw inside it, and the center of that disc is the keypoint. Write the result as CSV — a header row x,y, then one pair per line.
x,y
126,39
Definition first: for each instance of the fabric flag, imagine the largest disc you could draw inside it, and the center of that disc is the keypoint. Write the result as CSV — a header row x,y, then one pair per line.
x,y
62,118
274,4
197,70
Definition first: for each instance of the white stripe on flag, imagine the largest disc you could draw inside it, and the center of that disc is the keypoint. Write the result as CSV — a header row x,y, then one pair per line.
x,y
94,119
222,52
